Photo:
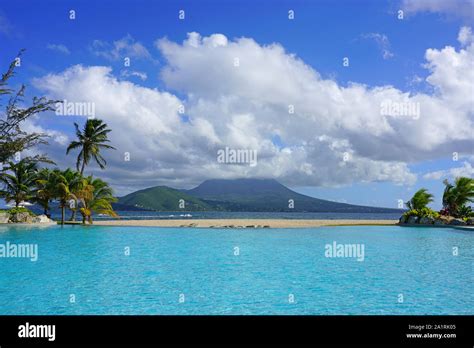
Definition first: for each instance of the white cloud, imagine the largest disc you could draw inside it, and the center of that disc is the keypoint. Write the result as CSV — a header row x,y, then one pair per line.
x,y
458,8
465,36
247,106
382,42
466,170
452,74
120,49
269,79
31,126
58,48
132,73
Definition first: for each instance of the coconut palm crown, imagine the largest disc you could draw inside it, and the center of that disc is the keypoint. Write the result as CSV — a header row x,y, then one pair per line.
x,y
18,181
90,141
456,196
420,199
96,196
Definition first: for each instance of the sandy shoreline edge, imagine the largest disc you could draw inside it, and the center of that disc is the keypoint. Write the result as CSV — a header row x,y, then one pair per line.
x,y
244,223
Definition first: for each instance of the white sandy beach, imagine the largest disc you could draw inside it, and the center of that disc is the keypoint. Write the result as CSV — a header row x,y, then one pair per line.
x,y
247,223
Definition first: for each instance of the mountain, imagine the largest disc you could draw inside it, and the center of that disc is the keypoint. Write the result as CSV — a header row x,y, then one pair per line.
x,y
268,195
238,195
162,198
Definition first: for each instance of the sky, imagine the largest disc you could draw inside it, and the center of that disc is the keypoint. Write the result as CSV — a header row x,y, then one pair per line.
x,y
361,102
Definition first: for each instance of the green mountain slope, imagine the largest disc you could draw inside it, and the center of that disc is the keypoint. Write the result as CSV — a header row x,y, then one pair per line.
x,y
162,198
268,195
237,195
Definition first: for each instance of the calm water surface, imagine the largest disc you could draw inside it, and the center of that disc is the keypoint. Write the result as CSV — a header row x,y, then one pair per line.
x,y
273,265
159,215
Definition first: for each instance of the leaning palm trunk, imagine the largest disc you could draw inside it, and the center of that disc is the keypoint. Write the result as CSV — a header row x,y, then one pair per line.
x,y
83,165
85,212
63,208
83,218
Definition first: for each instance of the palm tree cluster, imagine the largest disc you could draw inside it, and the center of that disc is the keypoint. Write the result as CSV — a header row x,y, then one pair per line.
x,y
23,181
420,199
18,181
457,196
456,199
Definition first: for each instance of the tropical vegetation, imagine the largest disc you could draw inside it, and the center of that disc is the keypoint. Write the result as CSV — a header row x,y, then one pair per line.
x,y
456,197
423,212
90,141
18,210
24,182
18,181
27,179
46,184
420,199
96,196
14,139
456,201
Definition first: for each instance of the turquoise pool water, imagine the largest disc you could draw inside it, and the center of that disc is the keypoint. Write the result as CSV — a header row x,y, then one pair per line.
x,y
276,271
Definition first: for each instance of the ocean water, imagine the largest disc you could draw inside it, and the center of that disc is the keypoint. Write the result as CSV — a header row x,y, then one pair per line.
x,y
156,215
159,215
258,271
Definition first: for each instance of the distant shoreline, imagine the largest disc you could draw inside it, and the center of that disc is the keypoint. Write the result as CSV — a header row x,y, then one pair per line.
x,y
246,223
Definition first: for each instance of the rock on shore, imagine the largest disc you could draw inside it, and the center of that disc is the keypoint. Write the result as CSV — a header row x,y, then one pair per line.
x,y
24,218
441,220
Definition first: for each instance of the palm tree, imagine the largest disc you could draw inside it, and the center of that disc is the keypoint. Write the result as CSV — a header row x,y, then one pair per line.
x,y
19,184
96,196
46,182
448,196
68,183
420,199
90,140
76,182
465,212
456,196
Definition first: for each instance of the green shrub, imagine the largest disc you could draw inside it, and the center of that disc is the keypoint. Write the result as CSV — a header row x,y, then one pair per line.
x,y
423,212
17,210
412,212
465,212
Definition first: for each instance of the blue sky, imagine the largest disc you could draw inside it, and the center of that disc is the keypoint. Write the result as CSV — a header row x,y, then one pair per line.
x,y
323,32
383,50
